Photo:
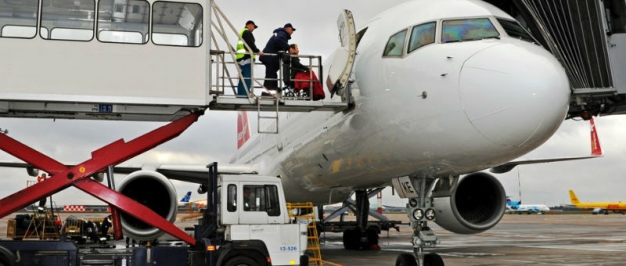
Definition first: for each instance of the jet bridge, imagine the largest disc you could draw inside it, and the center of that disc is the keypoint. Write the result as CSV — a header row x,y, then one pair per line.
x,y
589,38
123,60
114,60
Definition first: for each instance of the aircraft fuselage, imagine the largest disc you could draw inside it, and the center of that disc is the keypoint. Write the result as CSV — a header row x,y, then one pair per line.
x,y
443,109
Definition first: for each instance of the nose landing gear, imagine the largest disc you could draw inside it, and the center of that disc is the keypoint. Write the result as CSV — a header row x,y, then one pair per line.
x,y
420,211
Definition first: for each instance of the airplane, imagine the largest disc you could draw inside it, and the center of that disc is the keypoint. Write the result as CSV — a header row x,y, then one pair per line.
x,y
387,208
185,200
519,208
598,207
439,91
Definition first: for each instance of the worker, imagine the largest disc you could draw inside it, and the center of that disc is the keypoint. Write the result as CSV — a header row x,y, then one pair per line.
x,y
104,227
276,44
42,177
244,59
246,199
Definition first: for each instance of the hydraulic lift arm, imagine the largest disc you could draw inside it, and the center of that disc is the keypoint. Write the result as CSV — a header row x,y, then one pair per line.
x,y
78,175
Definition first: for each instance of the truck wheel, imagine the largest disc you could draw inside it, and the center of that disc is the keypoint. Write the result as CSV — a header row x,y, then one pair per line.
x,y
241,260
7,258
304,260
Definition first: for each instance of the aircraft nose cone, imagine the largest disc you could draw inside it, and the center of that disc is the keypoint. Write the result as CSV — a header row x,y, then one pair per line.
x,y
514,95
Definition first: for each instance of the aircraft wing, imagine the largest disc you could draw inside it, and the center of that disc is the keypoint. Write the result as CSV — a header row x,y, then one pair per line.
x,y
503,168
596,152
187,173
193,173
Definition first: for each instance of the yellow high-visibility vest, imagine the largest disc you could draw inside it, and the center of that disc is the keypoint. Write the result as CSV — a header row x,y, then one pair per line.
x,y
241,48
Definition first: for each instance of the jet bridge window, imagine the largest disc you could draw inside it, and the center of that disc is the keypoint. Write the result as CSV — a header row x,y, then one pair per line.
x,y
515,30
126,22
459,30
177,24
395,44
67,20
422,35
18,18
261,199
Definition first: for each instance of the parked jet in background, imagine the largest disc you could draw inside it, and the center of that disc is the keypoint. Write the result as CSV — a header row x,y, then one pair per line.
x,y
185,198
394,209
517,207
598,207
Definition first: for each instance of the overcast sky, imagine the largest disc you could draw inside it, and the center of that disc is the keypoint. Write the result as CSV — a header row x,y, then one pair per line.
x,y
212,138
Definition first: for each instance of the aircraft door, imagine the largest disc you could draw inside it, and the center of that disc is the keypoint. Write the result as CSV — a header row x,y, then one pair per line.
x,y
343,58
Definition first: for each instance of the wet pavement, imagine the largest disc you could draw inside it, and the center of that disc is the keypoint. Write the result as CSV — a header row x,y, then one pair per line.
x,y
581,239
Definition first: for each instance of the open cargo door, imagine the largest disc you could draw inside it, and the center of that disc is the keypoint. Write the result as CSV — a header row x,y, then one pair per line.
x,y
343,58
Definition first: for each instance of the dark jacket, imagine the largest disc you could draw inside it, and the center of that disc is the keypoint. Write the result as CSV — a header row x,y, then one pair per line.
x,y
294,63
248,38
291,66
278,42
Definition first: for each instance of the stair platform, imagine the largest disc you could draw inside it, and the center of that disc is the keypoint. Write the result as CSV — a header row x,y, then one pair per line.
x,y
272,104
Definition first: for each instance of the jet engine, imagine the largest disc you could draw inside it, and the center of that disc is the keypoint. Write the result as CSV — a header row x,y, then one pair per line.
x,y
154,191
476,205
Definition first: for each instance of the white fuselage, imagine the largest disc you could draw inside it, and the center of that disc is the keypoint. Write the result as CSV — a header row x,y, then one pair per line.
x,y
443,109
532,208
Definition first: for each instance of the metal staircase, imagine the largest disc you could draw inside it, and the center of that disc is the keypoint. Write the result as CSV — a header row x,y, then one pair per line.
x,y
225,75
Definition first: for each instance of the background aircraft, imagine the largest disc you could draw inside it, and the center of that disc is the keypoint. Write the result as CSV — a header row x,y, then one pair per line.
x,y
517,207
185,199
598,207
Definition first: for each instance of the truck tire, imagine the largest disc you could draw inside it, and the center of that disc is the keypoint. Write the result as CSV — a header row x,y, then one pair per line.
x,y
241,260
304,260
7,258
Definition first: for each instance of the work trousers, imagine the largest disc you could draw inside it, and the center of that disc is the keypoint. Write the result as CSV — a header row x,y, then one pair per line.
x,y
246,71
271,76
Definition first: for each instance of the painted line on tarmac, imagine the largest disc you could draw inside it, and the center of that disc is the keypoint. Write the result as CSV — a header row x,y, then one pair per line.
x,y
332,263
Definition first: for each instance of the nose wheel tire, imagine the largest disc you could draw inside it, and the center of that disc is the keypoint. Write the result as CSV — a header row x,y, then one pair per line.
x,y
433,259
430,259
406,260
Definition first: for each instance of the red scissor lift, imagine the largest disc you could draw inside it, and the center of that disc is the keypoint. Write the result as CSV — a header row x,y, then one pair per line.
x,y
79,176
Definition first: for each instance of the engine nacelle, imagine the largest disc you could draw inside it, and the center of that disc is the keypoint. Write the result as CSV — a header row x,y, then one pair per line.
x,y
156,192
476,205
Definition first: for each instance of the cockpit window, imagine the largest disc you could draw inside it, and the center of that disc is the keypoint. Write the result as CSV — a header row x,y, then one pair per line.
x,y
422,35
459,30
515,30
395,44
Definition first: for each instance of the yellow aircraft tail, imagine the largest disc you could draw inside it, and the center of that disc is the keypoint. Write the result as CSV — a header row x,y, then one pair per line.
x,y
573,198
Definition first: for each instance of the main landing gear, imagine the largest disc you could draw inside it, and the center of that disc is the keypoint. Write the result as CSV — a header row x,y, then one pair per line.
x,y
361,237
420,211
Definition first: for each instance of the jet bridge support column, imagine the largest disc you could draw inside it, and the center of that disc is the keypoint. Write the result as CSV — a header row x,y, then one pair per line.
x,y
79,175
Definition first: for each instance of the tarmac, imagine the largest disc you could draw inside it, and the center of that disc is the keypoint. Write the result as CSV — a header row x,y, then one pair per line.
x,y
580,239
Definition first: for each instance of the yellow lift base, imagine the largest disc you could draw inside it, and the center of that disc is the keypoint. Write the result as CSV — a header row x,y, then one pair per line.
x,y
313,243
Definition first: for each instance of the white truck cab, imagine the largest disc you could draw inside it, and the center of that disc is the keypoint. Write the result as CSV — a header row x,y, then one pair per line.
x,y
252,212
